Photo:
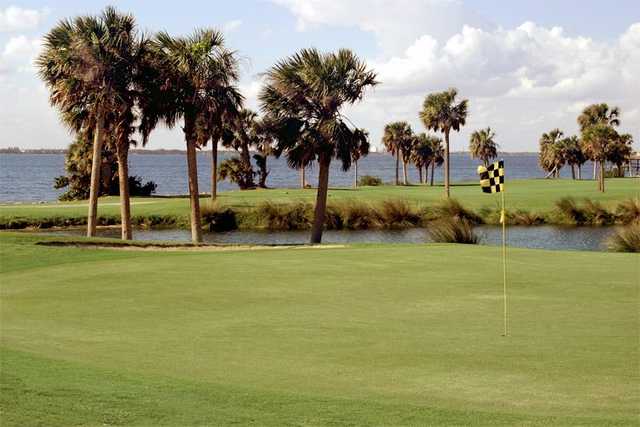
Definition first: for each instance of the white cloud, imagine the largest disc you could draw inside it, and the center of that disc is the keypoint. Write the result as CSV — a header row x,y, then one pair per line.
x,y
395,23
14,18
231,25
18,54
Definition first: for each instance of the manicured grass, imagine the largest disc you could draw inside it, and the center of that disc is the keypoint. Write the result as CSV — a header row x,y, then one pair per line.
x,y
371,334
536,195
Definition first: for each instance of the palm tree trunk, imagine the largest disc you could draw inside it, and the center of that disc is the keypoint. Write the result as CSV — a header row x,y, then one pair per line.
x,y
420,175
579,172
96,163
573,171
602,176
397,156
123,183
433,167
194,194
246,160
446,162
321,200
214,168
355,175
405,178
595,169
303,178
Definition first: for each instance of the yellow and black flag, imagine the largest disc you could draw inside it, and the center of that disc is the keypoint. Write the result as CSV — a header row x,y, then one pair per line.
x,y
492,177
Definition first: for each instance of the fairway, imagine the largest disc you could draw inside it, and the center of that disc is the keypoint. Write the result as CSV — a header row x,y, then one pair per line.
x,y
536,195
359,335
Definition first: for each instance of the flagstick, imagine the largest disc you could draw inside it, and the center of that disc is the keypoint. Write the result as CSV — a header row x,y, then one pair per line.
x,y
504,262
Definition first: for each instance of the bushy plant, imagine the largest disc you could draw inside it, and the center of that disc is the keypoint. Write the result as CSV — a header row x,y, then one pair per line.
x,y
369,181
452,230
596,214
451,208
218,218
625,239
289,216
569,212
397,214
236,171
357,215
628,211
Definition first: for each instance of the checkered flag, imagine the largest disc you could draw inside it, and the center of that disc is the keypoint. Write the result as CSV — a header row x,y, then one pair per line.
x,y
492,177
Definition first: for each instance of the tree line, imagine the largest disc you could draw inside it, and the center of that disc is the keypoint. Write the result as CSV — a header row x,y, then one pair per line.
x,y
598,142
114,85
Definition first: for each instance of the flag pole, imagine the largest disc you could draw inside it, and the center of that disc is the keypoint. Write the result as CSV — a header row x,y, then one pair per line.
x,y
503,218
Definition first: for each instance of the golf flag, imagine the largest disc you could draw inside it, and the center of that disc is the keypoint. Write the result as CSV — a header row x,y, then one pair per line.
x,y
492,181
492,177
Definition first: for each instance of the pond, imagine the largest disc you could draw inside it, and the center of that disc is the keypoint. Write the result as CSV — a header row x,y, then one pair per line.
x,y
541,237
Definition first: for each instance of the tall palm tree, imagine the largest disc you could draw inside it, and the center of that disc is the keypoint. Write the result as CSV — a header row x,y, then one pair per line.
x,y
196,76
551,157
441,112
573,155
597,141
437,158
392,139
422,155
87,65
304,95
483,145
598,114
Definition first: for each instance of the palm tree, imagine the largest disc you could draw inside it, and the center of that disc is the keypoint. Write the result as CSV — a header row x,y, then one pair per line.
x,y
392,139
573,155
422,155
263,140
597,141
598,114
441,112
303,97
551,157
240,134
86,64
483,146
437,158
620,152
196,78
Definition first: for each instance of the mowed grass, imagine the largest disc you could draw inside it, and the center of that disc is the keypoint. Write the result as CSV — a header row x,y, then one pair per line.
x,y
356,335
537,195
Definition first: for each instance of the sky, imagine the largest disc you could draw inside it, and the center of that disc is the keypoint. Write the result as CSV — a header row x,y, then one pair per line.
x,y
526,67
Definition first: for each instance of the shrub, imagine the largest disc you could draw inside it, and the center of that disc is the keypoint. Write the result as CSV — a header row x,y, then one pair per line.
x,y
569,211
451,230
397,214
628,211
596,214
451,208
218,218
357,215
290,216
370,181
625,239
522,217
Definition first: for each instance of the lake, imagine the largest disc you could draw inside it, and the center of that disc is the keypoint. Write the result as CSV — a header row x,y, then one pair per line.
x,y
29,177
541,237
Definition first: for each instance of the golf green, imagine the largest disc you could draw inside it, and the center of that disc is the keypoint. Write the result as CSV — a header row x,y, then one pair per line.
x,y
354,335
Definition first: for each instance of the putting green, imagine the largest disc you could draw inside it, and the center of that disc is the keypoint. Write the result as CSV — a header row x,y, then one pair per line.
x,y
371,334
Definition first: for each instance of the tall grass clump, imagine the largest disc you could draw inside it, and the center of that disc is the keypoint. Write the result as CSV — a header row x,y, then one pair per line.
x,y
569,211
452,230
451,208
628,211
596,214
357,215
625,239
218,218
397,214
284,216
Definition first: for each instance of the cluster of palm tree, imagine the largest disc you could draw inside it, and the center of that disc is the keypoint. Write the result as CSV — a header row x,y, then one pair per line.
x,y
440,112
599,142
423,150
109,82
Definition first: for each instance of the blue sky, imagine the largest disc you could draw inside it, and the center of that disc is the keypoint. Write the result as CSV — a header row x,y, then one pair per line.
x,y
526,66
